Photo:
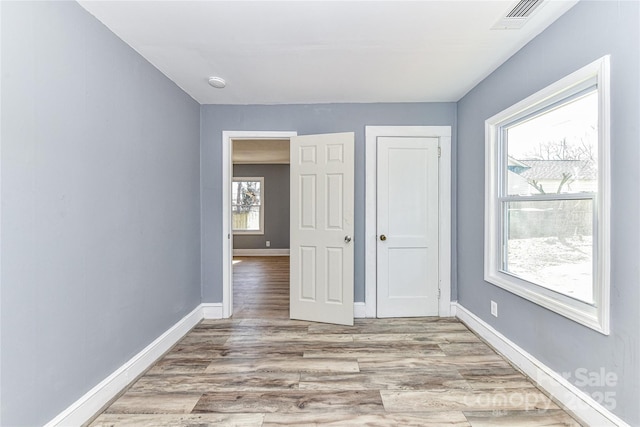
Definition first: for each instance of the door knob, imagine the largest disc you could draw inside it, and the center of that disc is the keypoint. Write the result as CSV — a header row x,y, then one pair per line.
x,y
347,239
383,237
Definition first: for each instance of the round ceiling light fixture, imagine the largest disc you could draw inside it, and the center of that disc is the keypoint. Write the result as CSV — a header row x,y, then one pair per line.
x,y
217,82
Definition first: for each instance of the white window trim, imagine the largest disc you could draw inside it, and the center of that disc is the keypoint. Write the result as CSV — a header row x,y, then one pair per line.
x,y
597,316
259,179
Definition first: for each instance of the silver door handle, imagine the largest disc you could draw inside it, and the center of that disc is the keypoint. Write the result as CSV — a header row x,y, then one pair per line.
x,y
347,239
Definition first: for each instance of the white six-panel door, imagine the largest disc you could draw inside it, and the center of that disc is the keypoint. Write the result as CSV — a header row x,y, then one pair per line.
x,y
407,227
322,193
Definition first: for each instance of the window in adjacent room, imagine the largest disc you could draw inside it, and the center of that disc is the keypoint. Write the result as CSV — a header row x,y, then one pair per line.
x,y
547,197
247,205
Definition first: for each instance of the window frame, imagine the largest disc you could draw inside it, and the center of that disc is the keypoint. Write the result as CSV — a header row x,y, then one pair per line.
x,y
259,179
596,315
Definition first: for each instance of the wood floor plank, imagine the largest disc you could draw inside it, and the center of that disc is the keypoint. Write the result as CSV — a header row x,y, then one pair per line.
x,y
303,338
370,349
449,337
496,380
530,399
249,329
261,368
202,383
283,364
459,349
194,339
293,401
479,371
385,326
275,323
154,403
434,419
273,312
394,362
171,420
549,418
247,350
383,381
182,365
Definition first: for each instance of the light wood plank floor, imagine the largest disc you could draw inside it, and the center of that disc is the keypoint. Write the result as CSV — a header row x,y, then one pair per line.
x,y
262,369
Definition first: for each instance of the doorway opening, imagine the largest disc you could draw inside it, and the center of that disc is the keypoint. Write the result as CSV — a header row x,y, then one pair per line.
x,y
255,150
321,207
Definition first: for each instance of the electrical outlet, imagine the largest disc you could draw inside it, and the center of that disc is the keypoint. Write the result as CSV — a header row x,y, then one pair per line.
x,y
494,308
268,243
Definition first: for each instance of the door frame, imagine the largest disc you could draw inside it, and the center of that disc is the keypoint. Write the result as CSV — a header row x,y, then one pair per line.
x,y
227,178
443,133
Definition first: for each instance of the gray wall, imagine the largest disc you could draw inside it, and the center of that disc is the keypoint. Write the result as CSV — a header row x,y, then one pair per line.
x,y
305,119
276,207
588,31
100,206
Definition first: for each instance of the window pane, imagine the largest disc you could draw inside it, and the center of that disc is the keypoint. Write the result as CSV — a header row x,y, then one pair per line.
x,y
550,243
556,151
245,203
247,219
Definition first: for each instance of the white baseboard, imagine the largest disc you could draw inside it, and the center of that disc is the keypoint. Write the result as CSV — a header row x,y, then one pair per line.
x,y
261,252
83,409
579,403
454,309
359,310
211,310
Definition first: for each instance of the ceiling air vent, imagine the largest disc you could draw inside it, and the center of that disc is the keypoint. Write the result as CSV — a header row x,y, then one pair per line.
x,y
518,15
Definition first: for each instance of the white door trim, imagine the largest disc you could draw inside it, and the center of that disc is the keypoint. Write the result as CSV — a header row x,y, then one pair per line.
x,y
227,172
444,200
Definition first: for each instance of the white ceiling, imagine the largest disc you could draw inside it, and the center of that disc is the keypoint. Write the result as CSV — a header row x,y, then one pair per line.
x,y
292,52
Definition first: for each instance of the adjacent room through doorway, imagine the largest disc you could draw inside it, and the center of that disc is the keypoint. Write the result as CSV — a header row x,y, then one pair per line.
x,y
259,210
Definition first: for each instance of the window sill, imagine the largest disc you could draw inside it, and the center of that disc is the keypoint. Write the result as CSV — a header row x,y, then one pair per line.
x,y
248,233
578,311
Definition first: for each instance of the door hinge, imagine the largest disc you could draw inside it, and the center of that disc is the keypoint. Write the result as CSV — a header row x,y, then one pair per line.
x,y
438,293
439,152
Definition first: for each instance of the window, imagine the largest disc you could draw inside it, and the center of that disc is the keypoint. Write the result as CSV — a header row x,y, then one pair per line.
x,y
247,205
547,197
